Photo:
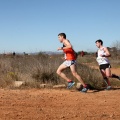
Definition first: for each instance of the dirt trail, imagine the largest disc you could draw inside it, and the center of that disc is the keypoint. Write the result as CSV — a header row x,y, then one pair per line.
x,y
51,104
62,104
113,70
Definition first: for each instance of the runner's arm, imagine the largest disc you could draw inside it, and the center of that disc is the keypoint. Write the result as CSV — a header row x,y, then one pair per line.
x,y
67,44
107,53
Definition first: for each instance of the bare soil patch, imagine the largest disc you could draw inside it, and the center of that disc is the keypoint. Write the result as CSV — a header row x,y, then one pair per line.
x,y
50,104
60,104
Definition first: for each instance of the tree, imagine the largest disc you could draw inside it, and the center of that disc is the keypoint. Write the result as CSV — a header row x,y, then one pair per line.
x,y
116,49
116,44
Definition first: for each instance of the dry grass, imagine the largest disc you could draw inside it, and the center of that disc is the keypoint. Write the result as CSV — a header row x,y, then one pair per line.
x,y
37,69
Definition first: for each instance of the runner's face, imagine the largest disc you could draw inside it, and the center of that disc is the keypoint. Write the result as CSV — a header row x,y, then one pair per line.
x,y
98,44
60,38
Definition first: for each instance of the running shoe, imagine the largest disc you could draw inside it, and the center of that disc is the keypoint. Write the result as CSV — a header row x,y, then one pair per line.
x,y
70,84
84,90
108,88
115,76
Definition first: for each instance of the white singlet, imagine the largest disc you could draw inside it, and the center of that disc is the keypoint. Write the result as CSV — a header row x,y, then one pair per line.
x,y
102,60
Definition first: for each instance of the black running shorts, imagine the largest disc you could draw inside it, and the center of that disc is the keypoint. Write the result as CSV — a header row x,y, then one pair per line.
x,y
104,66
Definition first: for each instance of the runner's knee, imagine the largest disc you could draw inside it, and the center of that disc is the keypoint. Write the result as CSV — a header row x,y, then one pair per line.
x,y
108,76
58,72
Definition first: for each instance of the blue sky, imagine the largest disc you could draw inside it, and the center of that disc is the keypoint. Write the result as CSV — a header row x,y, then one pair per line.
x,y
34,25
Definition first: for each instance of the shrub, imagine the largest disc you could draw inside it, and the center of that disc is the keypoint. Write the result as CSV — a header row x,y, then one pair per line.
x,y
38,69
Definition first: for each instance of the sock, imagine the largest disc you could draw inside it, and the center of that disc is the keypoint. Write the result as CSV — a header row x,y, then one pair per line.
x,y
69,80
107,81
85,86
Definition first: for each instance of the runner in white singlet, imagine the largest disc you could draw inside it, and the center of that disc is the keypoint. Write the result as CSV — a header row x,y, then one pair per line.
x,y
102,60
104,64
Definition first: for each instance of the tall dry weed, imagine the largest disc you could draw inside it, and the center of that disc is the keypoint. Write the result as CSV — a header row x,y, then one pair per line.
x,y
41,68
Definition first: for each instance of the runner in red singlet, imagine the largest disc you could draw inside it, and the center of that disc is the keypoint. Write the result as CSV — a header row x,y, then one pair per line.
x,y
70,61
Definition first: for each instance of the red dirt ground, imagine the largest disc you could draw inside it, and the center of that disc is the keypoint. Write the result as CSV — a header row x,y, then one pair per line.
x,y
51,104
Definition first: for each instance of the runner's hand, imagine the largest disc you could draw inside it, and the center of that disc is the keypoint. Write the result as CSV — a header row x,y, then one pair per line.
x,y
60,48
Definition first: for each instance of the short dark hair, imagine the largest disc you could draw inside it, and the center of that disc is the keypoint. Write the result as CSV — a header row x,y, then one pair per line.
x,y
100,41
62,34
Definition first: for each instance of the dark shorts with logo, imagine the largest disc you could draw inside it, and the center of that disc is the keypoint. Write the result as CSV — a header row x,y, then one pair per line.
x,y
104,66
